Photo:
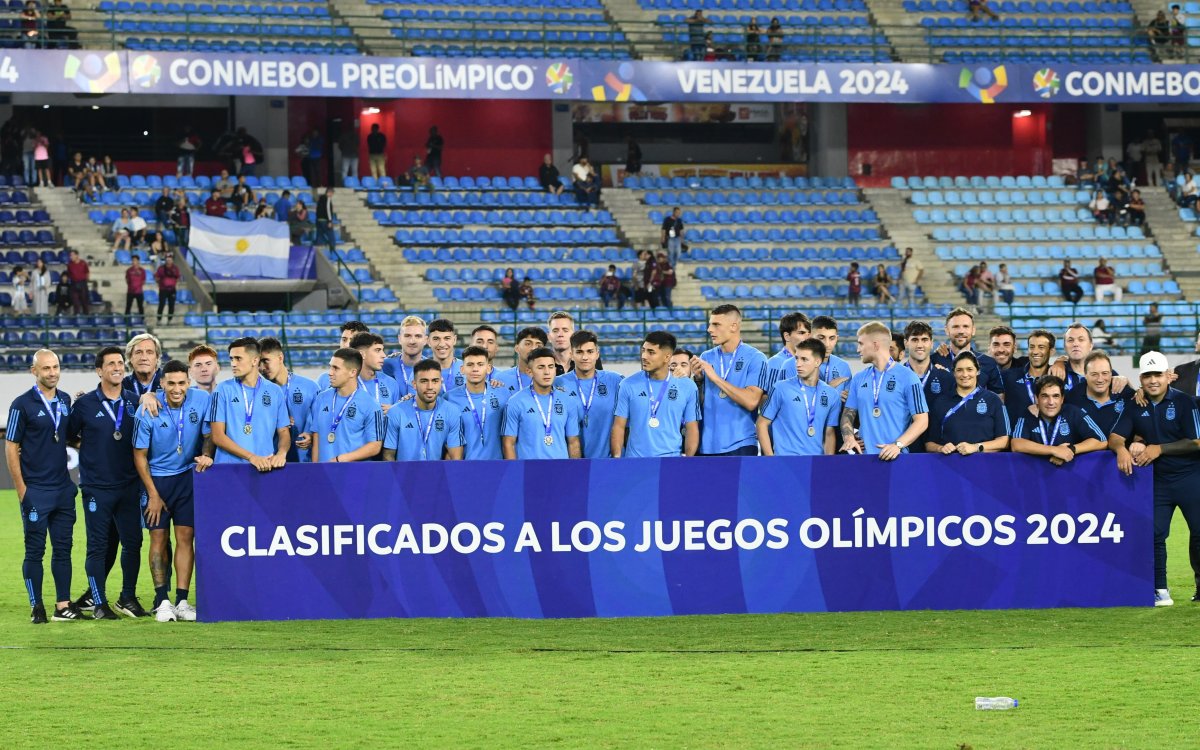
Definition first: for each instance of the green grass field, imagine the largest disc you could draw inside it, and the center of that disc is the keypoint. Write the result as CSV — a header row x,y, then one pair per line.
x,y
1085,678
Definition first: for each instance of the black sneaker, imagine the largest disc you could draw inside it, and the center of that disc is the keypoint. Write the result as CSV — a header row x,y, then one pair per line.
x,y
1196,596
69,613
102,612
131,607
38,616
85,603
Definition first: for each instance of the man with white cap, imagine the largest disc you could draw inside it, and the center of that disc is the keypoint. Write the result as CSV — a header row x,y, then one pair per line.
x,y
1169,425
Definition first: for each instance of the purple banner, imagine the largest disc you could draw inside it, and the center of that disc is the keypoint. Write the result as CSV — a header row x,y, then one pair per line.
x,y
645,537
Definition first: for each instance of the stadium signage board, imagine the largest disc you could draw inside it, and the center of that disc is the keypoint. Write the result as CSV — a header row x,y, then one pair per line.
x,y
650,537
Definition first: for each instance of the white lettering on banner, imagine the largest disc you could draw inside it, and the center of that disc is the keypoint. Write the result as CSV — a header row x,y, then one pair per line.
x,y
440,77
789,82
859,531
238,74
1125,83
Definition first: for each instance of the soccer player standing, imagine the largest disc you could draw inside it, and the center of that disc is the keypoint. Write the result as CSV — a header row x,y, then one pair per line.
x,y
801,414
376,383
36,451
974,421
562,328
834,370
1170,426
442,340
960,333
485,337
101,426
658,413
480,406
424,427
166,448
734,375
519,376
298,392
348,331
885,398
542,421
248,418
346,423
596,391
1059,431
204,367
413,336
936,383
793,328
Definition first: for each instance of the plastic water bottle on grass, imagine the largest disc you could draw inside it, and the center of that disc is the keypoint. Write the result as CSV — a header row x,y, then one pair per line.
x,y
995,704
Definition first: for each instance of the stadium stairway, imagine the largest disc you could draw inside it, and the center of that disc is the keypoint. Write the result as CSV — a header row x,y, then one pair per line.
x,y
909,43
637,24
79,233
364,22
1175,239
387,263
629,211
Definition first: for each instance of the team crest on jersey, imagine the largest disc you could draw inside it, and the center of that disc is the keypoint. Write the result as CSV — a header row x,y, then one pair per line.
x,y
351,411
266,399
936,386
383,391
1170,411
558,407
459,380
891,386
602,389
1119,407
981,407
673,393
494,402
741,364
824,399
439,424
297,397
193,417
1064,429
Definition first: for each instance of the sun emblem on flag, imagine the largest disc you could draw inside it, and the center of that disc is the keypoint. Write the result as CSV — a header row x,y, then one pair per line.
x,y
242,245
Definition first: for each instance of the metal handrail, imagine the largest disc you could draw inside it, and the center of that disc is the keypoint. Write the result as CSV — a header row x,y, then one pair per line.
x,y
195,263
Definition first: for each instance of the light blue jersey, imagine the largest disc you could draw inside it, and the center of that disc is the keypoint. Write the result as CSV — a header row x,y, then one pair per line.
x,y
420,435
482,417
727,426
300,392
359,420
383,388
781,366
672,403
262,409
597,399
452,376
174,438
525,419
793,409
833,369
395,368
513,379
900,398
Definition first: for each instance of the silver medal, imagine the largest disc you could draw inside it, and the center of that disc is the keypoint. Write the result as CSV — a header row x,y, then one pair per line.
x,y
654,421
117,435
876,412
812,431
548,440
331,437
247,430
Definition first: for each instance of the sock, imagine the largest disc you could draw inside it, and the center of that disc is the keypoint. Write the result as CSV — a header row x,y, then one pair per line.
x,y
180,595
160,595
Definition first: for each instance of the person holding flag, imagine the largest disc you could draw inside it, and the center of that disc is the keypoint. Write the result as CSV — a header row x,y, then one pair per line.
x,y
345,421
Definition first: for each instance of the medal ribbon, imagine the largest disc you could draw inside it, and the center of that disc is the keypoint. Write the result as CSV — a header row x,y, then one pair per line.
x,y
545,414
178,423
337,418
1049,440
248,400
54,414
662,391
960,404
587,402
424,430
119,416
480,417
727,366
877,380
810,409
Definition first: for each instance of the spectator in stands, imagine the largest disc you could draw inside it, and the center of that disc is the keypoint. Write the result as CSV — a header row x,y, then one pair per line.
x,y
62,294
418,175
214,206
639,276
181,220
1178,25
283,207
1068,282
41,281
648,273
510,289
911,273
122,232
31,23
135,285
710,48
587,187
633,156
377,152
985,287
1188,193
1133,159
1152,329
1137,209
696,35
854,281
249,153
881,286
526,292
672,235
1105,279
348,145
1159,30
77,173
326,219
1101,338
978,8
242,194
1181,150
28,142
548,176
299,223
1168,179
433,151
1004,285
20,283
262,209
158,247
78,271
775,40
753,41
167,278
137,228
311,151
224,186
1101,207
968,286
611,288
1084,176
162,209
41,160
185,160
59,31
663,280
1152,153
108,173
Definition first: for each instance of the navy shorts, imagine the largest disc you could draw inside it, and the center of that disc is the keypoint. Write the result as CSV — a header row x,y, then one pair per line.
x,y
40,502
176,492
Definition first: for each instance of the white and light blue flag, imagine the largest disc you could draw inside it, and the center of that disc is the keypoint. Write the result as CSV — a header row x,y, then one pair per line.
x,y
241,249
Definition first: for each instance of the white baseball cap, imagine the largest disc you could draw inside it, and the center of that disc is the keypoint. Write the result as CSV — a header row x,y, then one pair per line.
x,y
1153,362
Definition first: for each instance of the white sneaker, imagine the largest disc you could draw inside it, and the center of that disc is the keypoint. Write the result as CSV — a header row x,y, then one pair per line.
x,y
164,612
1162,598
185,611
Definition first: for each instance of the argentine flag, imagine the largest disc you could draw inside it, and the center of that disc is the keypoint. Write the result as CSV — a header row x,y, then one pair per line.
x,y
241,249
